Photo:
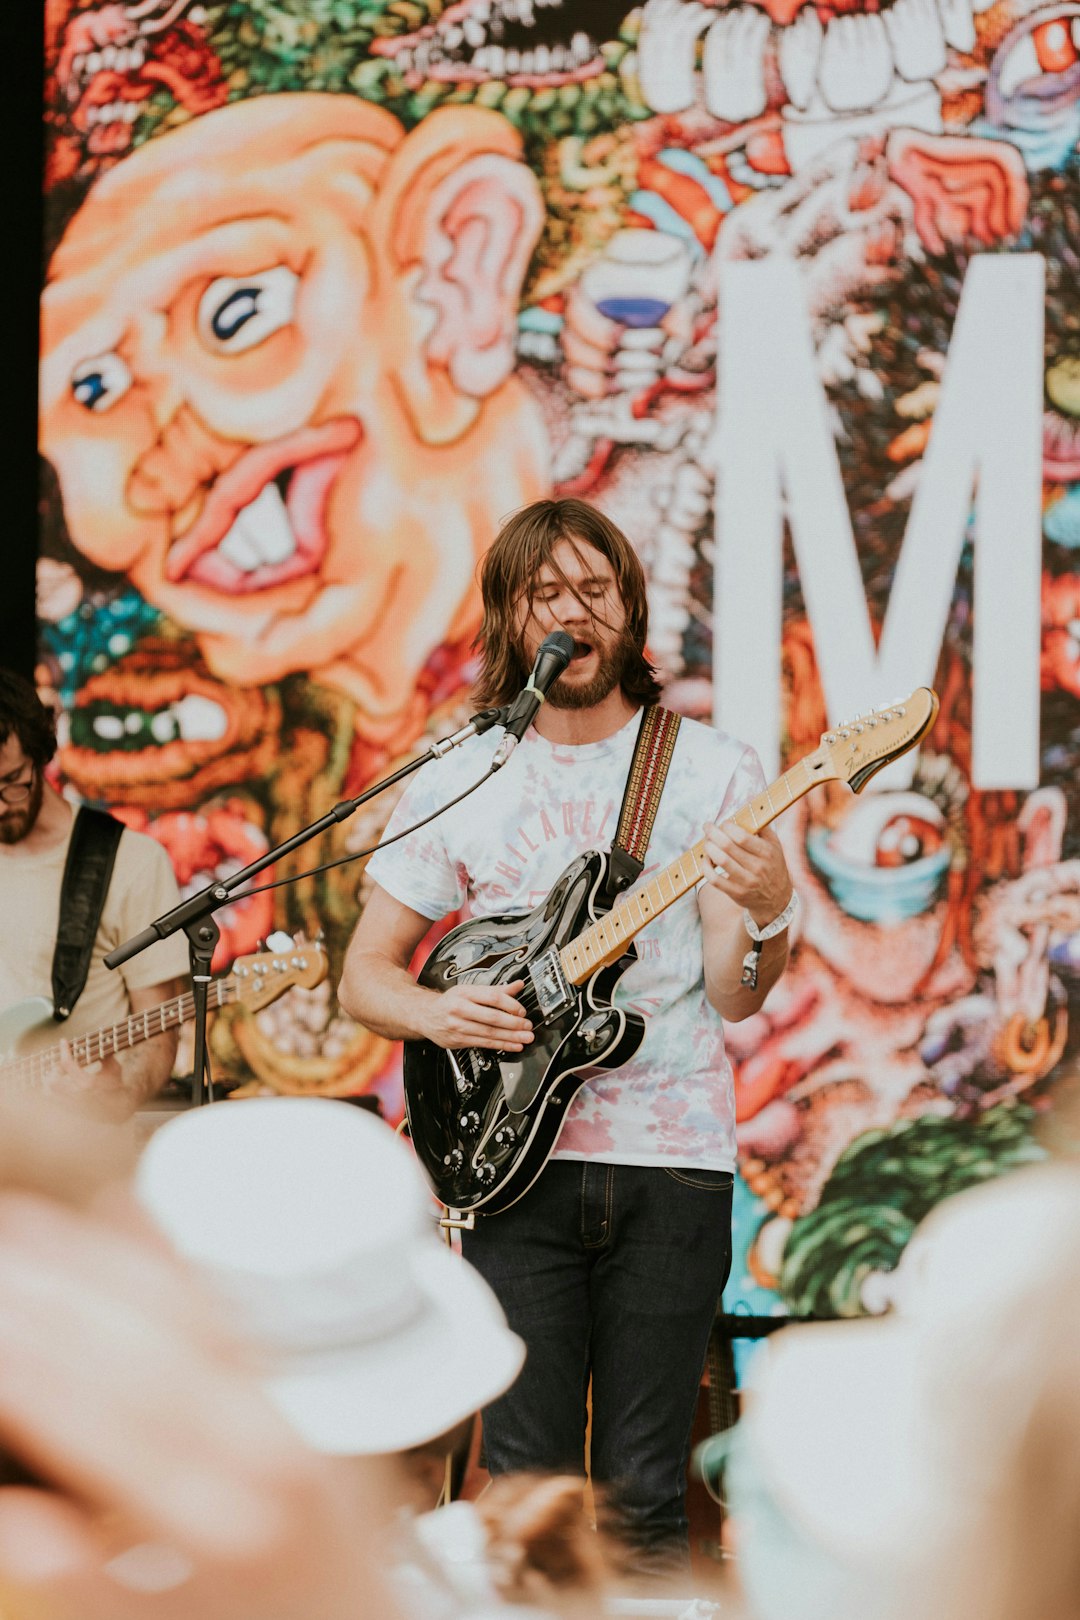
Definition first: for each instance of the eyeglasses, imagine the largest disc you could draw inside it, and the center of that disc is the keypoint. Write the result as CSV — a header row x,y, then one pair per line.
x,y
16,792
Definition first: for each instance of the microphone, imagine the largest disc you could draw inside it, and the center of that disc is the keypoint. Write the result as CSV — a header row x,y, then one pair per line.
x,y
554,654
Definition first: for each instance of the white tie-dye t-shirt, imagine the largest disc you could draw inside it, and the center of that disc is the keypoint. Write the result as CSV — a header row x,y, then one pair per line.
x,y
503,849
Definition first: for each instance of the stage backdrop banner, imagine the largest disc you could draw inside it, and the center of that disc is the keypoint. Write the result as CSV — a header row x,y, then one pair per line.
x,y
792,291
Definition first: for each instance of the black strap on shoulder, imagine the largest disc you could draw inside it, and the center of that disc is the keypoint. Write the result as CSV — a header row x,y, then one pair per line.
x,y
91,855
641,796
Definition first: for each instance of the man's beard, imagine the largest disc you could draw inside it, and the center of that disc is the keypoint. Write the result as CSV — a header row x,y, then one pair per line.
x,y
614,660
15,824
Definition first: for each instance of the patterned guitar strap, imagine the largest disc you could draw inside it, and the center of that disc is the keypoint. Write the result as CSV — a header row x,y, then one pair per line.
x,y
641,797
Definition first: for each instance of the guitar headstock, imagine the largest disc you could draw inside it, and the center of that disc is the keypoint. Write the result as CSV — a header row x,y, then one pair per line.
x,y
857,749
265,975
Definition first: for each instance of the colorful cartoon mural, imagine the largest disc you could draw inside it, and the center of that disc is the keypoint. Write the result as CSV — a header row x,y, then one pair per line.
x,y
334,285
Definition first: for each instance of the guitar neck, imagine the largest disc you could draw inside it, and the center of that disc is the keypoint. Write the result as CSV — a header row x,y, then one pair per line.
x,y
102,1043
605,940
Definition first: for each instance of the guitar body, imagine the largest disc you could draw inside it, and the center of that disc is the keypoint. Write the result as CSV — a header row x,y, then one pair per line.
x,y
484,1123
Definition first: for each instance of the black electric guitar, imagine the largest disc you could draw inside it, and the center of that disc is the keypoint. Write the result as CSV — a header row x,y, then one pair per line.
x,y
484,1122
28,1032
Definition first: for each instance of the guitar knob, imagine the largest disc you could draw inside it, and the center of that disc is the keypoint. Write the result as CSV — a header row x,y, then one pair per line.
x,y
593,1032
470,1121
505,1136
454,1159
485,1174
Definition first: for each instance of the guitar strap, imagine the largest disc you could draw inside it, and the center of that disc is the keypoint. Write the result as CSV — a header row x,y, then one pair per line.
x,y
88,871
641,797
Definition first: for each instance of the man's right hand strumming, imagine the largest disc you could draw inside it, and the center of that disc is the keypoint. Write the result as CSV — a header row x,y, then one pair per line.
x,y
379,991
480,1015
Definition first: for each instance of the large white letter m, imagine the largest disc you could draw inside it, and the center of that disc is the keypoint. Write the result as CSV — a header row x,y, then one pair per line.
x,y
775,454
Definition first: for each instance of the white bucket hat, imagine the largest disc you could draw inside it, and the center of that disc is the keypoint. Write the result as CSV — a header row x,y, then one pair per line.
x,y
313,1219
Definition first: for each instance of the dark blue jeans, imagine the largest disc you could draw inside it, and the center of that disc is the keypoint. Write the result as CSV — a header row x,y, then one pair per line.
x,y
614,1272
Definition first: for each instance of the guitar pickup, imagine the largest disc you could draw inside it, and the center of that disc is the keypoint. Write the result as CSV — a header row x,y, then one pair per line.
x,y
553,993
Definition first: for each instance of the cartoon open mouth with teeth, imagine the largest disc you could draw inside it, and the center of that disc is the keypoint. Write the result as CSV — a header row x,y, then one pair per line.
x,y
277,384
831,70
112,58
523,42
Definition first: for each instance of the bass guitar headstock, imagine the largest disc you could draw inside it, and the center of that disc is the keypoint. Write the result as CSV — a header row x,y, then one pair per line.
x,y
857,749
265,975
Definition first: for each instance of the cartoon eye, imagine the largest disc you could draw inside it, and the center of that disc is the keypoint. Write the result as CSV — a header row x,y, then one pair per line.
x,y
906,839
237,314
1053,47
893,829
97,384
887,861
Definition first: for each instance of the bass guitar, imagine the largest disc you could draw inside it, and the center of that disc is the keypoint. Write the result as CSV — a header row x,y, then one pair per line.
x,y
483,1122
254,981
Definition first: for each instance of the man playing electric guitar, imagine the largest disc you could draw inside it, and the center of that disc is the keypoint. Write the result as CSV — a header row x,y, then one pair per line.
x,y
36,827
611,1265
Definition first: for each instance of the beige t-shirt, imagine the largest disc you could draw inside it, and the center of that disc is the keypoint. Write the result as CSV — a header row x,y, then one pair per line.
x,y
141,888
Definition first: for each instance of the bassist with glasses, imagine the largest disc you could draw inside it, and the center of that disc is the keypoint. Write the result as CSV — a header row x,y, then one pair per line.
x,y
37,828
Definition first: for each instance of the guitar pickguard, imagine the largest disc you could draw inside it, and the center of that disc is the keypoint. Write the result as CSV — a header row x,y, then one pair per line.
x,y
478,1118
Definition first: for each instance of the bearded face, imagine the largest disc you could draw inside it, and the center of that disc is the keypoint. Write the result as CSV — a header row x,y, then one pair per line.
x,y
16,774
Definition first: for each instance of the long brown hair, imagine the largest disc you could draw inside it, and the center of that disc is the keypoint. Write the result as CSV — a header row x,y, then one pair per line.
x,y
509,575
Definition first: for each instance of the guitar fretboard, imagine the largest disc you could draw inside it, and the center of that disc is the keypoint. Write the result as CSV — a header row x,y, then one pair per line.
x,y
120,1037
605,940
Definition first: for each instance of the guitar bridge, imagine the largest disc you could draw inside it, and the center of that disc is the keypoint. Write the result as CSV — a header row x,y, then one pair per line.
x,y
553,993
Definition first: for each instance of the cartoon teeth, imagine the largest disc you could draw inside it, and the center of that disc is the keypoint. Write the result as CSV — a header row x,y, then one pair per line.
x,y
859,64
261,533
666,49
122,112
958,25
192,719
800,50
856,63
112,59
476,44
916,38
735,64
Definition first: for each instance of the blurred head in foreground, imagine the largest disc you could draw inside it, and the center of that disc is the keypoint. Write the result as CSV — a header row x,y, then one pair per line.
x,y
163,1483
929,1463
313,1220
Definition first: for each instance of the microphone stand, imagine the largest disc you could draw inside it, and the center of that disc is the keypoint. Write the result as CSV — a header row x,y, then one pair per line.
x,y
195,915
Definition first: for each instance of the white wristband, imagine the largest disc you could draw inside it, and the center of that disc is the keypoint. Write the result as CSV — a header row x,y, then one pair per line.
x,y
777,925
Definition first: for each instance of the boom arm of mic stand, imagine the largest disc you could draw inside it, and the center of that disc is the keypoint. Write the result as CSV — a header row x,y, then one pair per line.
x,y
214,895
195,914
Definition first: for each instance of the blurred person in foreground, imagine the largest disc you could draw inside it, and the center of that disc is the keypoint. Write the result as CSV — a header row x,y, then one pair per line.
x,y
313,1221
927,1466
145,1475
37,826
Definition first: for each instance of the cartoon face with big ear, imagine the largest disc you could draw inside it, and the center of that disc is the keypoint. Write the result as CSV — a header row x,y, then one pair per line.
x,y
277,383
